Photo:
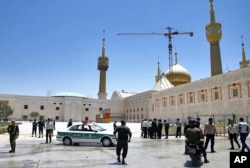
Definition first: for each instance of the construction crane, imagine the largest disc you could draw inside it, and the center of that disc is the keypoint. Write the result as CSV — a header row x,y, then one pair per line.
x,y
168,35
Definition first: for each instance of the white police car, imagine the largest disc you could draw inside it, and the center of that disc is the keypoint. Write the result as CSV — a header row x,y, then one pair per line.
x,y
86,133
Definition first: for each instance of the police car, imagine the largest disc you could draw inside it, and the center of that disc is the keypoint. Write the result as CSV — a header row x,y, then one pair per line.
x,y
80,133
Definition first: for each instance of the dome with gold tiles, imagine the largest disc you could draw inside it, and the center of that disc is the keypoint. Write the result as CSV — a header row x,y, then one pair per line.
x,y
179,75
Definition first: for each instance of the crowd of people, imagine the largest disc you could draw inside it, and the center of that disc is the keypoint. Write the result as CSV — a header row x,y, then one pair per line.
x,y
193,132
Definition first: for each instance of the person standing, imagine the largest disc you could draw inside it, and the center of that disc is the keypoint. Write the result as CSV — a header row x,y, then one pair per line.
x,y
49,129
145,128
209,132
233,131
34,127
166,126
123,137
114,125
244,132
13,131
178,129
40,128
159,129
154,128
70,123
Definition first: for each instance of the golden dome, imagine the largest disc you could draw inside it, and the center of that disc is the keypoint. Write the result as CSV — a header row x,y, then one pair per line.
x,y
180,75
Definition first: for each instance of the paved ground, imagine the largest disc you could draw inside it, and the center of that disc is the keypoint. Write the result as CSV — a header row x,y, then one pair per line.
x,y
32,152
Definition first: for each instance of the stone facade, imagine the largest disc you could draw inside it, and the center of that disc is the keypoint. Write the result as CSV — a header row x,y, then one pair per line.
x,y
220,95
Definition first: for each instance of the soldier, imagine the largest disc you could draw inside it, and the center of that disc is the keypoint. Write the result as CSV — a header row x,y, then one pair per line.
x,y
124,136
13,131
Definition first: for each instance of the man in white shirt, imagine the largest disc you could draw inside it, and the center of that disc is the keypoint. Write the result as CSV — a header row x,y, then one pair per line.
x,y
243,131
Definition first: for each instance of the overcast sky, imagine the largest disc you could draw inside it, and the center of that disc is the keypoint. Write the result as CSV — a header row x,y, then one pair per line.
x,y
54,44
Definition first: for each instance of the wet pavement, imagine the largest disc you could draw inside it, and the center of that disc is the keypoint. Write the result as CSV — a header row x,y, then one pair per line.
x,y
33,152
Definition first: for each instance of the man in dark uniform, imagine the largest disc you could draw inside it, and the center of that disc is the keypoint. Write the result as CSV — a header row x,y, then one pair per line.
x,y
34,127
13,131
159,129
124,136
154,127
40,128
166,126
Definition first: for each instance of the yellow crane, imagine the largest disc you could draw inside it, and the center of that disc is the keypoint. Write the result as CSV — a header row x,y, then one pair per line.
x,y
168,35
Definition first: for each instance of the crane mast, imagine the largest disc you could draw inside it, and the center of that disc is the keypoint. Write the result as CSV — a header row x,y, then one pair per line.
x,y
168,35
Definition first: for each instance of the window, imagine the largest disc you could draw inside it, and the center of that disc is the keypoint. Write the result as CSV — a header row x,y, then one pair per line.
x,y
26,106
86,109
41,107
235,92
191,99
100,109
216,95
181,100
57,108
202,97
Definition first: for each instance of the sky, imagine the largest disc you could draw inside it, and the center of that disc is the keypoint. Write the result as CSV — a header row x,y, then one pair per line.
x,y
52,46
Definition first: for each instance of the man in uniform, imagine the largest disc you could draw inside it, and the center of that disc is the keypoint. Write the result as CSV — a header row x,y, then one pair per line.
x,y
13,131
124,136
166,126
34,127
40,128
194,135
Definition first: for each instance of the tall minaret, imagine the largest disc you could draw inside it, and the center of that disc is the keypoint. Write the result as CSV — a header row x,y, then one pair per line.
x,y
103,64
244,63
214,34
158,76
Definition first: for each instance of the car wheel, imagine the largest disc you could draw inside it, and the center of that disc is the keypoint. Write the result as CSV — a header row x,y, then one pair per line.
x,y
106,142
67,141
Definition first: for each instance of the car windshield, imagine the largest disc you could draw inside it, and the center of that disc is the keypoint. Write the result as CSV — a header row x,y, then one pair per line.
x,y
97,127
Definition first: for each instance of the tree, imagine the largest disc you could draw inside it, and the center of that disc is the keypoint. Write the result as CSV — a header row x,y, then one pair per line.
x,y
34,114
5,111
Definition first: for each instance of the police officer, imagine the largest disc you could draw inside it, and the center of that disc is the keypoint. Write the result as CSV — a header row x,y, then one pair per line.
x,y
123,137
159,129
13,131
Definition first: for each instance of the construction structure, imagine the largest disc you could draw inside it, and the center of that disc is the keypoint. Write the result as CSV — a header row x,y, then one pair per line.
x,y
168,35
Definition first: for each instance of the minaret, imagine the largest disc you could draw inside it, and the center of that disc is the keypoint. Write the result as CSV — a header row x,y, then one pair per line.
x,y
103,64
214,34
158,76
244,63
